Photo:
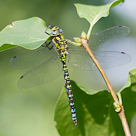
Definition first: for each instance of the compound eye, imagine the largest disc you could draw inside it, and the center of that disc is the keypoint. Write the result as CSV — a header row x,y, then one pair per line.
x,y
53,33
60,31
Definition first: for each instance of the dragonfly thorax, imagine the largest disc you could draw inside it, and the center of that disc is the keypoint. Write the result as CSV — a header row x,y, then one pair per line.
x,y
60,45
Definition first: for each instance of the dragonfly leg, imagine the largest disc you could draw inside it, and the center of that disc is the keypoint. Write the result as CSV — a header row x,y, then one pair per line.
x,y
47,45
46,32
50,25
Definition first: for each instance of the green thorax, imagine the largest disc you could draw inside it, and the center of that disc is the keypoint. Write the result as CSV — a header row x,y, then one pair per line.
x,y
59,42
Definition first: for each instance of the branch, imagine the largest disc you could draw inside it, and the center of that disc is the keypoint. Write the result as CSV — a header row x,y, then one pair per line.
x,y
121,112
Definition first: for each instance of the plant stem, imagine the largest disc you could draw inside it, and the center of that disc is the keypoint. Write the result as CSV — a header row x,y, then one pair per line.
x,y
121,114
89,31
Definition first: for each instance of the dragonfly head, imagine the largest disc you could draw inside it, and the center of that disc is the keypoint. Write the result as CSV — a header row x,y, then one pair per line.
x,y
55,31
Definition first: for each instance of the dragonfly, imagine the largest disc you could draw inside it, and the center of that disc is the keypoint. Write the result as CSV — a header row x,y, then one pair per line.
x,y
49,61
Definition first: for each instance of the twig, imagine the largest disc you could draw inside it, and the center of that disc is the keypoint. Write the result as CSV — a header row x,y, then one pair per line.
x,y
121,113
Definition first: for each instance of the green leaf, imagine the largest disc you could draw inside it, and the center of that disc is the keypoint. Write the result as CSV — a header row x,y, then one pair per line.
x,y
95,111
29,34
6,47
129,96
95,114
93,13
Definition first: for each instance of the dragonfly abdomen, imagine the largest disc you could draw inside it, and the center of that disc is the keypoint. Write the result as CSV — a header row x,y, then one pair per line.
x,y
69,93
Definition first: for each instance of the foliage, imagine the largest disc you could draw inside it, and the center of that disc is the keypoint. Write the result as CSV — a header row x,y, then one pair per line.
x,y
94,108
93,13
95,111
29,34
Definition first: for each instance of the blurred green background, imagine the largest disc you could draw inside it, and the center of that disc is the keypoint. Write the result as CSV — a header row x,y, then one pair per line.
x,y
30,112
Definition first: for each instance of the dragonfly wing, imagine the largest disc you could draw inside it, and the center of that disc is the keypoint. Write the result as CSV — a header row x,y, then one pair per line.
x,y
107,59
32,58
107,36
110,59
41,74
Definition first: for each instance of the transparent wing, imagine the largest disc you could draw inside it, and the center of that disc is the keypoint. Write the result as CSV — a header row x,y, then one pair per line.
x,y
32,58
41,74
80,59
107,59
107,36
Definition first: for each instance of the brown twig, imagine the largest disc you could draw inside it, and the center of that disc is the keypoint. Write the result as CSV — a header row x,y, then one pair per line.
x,y
121,113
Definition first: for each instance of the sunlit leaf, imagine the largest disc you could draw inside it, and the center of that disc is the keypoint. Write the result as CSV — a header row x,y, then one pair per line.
x,y
29,34
93,13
